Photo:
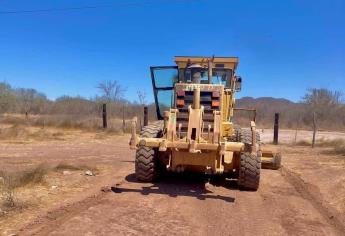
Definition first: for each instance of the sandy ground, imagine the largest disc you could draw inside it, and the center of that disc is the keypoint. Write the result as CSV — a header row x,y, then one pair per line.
x,y
305,197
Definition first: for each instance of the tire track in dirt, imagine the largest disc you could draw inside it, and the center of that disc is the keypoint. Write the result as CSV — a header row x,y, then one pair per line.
x,y
60,216
311,193
45,224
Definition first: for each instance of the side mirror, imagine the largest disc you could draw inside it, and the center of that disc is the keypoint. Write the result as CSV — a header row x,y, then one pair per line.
x,y
238,83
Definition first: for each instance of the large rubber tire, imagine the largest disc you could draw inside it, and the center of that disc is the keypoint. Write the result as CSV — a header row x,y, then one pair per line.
x,y
146,160
237,134
250,165
246,136
249,174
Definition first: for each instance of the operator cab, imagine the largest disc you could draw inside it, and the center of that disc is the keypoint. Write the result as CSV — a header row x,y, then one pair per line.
x,y
197,74
191,70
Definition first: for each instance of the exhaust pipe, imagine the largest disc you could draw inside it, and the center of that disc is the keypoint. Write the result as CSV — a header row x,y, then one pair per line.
x,y
210,71
196,100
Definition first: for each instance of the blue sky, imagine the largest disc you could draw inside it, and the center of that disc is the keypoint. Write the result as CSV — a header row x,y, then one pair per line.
x,y
284,47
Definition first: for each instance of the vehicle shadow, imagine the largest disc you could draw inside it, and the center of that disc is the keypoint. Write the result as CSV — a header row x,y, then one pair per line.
x,y
173,185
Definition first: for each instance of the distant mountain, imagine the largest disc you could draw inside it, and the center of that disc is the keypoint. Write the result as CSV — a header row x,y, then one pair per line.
x,y
266,108
263,100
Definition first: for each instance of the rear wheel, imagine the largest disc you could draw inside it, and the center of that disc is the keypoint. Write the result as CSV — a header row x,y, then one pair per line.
x,y
237,134
246,136
146,158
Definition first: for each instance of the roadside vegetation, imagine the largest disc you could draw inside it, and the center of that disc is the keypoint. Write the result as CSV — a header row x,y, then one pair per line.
x,y
21,132
21,106
11,182
30,107
332,146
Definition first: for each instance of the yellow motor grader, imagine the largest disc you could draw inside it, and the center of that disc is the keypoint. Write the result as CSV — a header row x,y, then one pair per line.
x,y
195,103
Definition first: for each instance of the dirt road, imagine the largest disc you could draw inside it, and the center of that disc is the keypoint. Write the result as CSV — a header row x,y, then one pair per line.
x,y
285,204
173,208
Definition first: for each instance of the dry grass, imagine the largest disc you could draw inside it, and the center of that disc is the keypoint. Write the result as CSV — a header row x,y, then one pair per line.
x,y
334,146
303,143
42,135
23,178
337,145
24,133
11,181
65,166
7,191
13,132
80,122
339,150
330,142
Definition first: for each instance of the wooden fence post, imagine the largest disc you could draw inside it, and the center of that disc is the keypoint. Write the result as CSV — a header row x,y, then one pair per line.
x,y
104,115
123,119
276,128
296,130
146,117
314,130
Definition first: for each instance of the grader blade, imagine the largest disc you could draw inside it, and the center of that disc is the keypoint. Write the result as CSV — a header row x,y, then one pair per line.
x,y
271,158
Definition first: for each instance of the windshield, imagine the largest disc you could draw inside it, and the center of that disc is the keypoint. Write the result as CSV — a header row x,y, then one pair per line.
x,y
163,79
219,76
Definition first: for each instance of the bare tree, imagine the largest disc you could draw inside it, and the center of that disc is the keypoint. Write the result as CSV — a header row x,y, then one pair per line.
x,y
26,96
322,101
29,100
7,98
142,97
111,90
321,104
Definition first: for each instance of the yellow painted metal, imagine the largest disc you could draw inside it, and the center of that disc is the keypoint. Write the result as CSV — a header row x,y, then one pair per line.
x,y
228,129
228,157
269,150
203,87
134,138
171,125
183,144
207,161
187,158
200,149
194,124
227,62
266,158
217,132
225,106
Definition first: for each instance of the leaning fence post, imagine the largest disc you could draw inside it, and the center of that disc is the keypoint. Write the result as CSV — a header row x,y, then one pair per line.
x,y
104,115
276,128
123,119
314,130
146,117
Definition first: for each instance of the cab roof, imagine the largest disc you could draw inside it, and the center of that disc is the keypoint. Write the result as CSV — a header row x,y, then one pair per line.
x,y
218,62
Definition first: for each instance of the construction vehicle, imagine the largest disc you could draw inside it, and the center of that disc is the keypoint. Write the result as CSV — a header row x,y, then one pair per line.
x,y
195,131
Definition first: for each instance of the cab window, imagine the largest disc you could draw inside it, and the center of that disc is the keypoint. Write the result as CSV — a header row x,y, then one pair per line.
x,y
163,81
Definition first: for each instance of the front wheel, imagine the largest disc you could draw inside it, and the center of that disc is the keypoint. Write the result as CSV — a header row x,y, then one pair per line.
x,y
146,158
145,164
249,174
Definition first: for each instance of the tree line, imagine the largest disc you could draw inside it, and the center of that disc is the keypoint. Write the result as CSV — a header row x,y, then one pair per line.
x,y
325,106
